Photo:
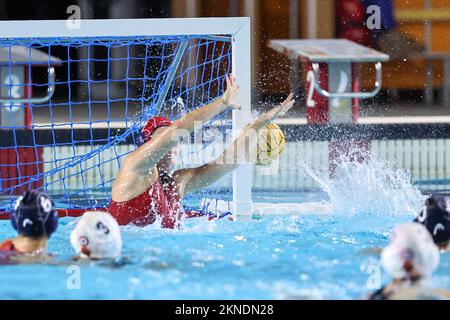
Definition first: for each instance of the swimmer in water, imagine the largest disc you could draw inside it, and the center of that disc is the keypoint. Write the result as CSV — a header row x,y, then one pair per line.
x,y
35,219
410,259
435,216
146,188
97,237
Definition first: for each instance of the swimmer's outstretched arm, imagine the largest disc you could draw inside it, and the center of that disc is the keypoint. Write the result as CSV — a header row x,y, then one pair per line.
x,y
147,155
193,179
226,102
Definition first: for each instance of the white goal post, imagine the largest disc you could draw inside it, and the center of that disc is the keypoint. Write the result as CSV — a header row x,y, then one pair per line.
x,y
238,29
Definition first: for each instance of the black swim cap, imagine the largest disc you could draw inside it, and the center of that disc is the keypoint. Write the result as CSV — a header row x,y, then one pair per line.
x,y
435,216
35,215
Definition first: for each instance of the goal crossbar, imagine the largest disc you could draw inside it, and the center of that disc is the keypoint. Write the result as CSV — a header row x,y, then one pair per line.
x,y
237,29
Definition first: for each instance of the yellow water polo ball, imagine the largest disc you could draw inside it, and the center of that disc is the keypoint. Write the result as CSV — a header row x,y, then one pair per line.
x,y
271,144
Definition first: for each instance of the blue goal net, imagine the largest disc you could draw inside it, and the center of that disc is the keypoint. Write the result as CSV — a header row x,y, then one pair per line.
x,y
71,108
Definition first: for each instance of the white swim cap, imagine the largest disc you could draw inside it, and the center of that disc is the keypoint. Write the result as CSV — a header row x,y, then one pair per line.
x,y
411,244
97,235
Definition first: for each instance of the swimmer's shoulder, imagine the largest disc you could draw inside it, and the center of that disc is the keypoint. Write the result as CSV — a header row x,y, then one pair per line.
x,y
7,257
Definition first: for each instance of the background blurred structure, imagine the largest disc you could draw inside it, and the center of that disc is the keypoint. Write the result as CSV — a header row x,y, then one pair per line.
x,y
412,76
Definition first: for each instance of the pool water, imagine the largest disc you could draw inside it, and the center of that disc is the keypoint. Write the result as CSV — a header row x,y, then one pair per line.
x,y
305,254
302,256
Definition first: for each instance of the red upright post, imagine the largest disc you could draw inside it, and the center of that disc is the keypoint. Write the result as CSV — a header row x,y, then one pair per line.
x,y
316,105
321,110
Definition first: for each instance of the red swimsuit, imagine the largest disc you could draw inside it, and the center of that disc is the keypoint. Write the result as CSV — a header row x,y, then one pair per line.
x,y
160,200
8,245
7,250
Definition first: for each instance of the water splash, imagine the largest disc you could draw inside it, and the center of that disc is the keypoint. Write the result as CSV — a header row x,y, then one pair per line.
x,y
372,187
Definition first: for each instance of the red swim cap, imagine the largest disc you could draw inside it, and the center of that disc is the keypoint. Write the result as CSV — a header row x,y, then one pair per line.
x,y
150,127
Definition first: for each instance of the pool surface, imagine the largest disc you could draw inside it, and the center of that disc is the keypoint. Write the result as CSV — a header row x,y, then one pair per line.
x,y
303,255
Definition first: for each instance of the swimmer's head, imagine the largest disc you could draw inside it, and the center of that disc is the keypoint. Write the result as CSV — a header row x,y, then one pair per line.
x,y
410,253
435,216
150,127
34,215
153,127
97,236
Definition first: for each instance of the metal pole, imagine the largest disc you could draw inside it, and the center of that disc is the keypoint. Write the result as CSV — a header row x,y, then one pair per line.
x,y
249,11
83,51
428,63
242,70
312,19
191,8
235,8
293,34
446,82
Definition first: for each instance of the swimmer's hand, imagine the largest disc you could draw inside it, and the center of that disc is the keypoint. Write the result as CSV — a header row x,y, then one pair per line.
x,y
287,104
229,98
194,179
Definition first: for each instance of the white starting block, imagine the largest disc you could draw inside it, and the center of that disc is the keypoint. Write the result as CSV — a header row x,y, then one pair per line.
x,y
16,87
333,88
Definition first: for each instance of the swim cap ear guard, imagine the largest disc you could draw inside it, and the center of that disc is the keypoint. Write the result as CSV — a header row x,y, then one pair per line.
x,y
150,127
97,236
435,216
34,215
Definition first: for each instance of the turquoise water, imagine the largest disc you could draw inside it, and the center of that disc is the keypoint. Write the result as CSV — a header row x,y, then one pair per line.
x,y
303,256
